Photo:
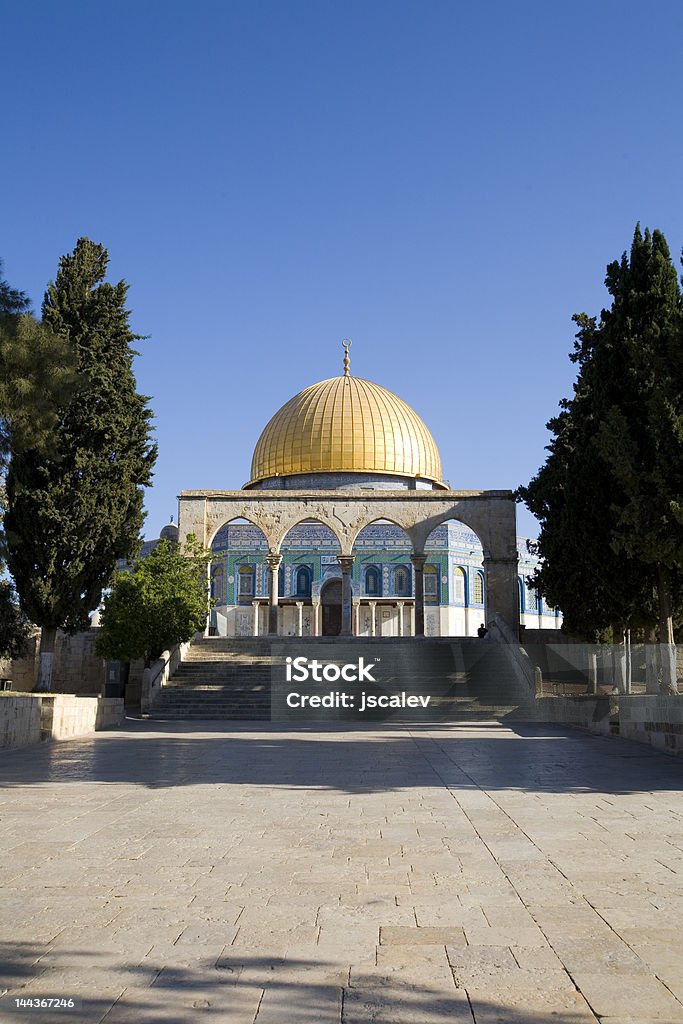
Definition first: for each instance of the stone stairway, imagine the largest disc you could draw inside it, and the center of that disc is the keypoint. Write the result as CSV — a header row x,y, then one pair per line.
x,y
229,677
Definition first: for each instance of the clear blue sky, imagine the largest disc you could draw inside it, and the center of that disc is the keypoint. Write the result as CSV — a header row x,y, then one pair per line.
x,y
444,182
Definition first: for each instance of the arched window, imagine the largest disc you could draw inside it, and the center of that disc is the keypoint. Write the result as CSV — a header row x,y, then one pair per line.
x,y
478,588
520,587
303,581
218,585
373,582
281,580
459,585
401,581
431,584
245,583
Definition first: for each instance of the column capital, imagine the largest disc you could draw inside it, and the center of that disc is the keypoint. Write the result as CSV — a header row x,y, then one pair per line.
x,y
346,563
418,561
299,604
273,560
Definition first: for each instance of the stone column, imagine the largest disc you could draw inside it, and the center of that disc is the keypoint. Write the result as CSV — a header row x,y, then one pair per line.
x,y
255,606
501,591
207,627
356,616
373,619
346,563
418,574
273,562
399,605
300,618
315,601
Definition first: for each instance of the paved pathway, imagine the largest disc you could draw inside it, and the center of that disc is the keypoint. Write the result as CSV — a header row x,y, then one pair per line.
x,y
197,873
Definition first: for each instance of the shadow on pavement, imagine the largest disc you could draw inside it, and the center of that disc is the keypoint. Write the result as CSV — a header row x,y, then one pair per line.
x,y
493,756
238,988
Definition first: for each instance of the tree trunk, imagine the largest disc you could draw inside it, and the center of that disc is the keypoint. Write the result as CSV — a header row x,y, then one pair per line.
x,y
651,668
47,651
666,632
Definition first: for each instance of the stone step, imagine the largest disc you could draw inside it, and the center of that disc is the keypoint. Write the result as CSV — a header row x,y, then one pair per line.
x,y
231,677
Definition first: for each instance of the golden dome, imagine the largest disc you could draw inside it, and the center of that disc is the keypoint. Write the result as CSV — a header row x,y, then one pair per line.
x,y
346,424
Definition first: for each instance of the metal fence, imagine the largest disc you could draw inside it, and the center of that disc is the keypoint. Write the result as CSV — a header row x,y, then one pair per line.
x,y
576,669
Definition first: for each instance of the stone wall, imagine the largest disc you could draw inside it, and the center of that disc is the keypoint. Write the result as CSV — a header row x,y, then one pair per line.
x,y
19,721
651,719
64,716
76,667
597,714
25,720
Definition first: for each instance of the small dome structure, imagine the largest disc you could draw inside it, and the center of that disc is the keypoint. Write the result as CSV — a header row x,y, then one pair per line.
x,y
170,533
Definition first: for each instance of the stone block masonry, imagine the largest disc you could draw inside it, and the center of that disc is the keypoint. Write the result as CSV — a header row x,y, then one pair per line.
x,y
26,720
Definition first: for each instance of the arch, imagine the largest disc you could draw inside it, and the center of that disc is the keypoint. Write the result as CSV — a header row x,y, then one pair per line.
x,y
460,586
246,579
286,527
372,581
376,546
375,520
303,581
402,581
296,534
221,533
432,583
331,601
218,583
477,588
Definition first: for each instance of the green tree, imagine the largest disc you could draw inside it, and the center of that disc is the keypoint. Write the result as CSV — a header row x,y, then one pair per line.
x,y
15,628
76,509
160,603
37,375
601,591
12,301
624,429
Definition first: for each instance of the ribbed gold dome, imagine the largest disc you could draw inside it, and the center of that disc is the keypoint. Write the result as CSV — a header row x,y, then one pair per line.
x,y
346,424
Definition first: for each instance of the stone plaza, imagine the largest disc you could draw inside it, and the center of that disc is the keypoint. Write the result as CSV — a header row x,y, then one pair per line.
x,y
477,873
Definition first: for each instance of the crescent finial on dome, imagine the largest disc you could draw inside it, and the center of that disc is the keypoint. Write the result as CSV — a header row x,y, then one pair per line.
x,y
346,345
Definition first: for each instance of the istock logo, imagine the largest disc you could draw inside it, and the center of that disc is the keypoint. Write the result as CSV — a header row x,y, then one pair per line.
x,y
300,669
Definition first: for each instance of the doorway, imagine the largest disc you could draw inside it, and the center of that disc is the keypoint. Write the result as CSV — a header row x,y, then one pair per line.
x,y
331,601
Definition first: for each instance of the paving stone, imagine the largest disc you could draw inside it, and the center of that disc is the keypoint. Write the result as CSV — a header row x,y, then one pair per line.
x,y
405,1005
623,995
221,871
398,935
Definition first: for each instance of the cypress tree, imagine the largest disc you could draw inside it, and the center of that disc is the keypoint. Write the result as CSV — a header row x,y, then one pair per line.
x,y
77,508
616,462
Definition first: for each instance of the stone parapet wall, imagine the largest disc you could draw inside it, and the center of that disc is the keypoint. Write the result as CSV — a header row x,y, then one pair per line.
x,y
64,716
652,719
655,720
597,714
26,720
19,721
